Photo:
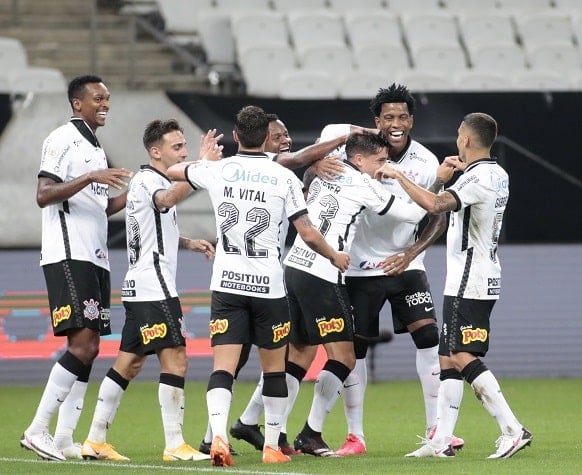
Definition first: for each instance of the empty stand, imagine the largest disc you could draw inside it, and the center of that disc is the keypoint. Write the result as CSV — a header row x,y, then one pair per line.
x,y
216,38
319,27
535,80
259,28
289,5
373,27
260,66
307,84
439,58
380,57
497,57
563,58
331,59
181,19
486,28
37,80
418,5
360,84
545,28
429,29
361,5
424,81
472,80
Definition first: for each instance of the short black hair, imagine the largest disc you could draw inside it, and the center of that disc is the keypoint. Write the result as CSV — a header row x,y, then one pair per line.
x,y
394,93
251,126
483,126
272,117
365,143
156,129
77,86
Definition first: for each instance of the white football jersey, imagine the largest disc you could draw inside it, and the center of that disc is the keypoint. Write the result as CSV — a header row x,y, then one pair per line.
x,y
152,240
252,196
377,237
473,268
77,227
333,207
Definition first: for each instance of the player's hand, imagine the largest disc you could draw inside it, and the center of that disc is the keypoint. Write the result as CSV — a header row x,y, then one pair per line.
x,y
397,263
209,148
201,245
448,167
341,260
329,168
386,171
115,177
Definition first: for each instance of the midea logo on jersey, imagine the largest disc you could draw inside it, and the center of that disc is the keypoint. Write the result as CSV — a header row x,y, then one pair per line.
x,y
234,171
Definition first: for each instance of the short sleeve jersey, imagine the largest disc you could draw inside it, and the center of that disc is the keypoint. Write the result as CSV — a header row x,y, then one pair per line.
x,y
152,240
333,207
378,238
473,268
252,196
77,227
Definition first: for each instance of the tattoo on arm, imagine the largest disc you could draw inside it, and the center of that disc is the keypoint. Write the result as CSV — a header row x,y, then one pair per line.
x,y
445,202
436,186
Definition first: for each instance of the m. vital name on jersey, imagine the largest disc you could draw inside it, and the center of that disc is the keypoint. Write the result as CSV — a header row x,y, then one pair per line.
x,y
247,282
246,194
301,256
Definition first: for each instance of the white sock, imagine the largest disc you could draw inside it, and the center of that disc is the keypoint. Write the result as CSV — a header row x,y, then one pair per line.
x,y
354,389
208,435
254,409
449,403
274,416
172,408
58,386
69,414
428,369
325,393
108,400
218,401
292,390
489,393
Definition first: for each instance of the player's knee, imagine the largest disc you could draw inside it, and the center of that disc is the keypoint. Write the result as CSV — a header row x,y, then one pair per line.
x,y
426,336
220,379
360,348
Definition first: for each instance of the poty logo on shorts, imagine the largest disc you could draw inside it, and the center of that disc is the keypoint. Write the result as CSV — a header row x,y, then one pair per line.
x,y
234,171
61,314
419,298
159,330
333,325
91,311
281,331
218,326
470,335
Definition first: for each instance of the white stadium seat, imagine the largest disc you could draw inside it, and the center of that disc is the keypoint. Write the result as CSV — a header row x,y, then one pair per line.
x,y
472,80
307,84
380,58
486,28
425,81
545,28
260,66
361,5
38,80
290,5
259,29
373,27
563,58
320,27
361,84
497,57
439,58
332,59
429,28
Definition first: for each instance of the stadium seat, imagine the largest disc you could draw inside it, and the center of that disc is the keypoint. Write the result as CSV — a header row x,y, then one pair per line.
x,y
12,54
568,6
315,27
216,38
259,28
333,59
361,5
418,5
544,28
497,57
307,84
429,29
373,27
563,58
439,58
235,5
380,58
486,28
533,80
260,66
360,84
290,5
474,6
424,81
472,80
37,80
524,6
181,19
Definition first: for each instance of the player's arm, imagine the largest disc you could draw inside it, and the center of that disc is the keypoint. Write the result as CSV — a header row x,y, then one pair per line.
x,y
197,245
315,240
310,154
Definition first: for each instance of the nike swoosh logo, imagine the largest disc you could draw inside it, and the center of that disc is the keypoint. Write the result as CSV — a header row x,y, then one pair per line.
x,y
350,385
428,309
435,373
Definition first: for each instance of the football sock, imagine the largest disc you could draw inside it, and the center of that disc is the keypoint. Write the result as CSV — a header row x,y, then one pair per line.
x,y
449,402
110,393
275,401
354,389
428,369
69,414
218,401
171,398
254,409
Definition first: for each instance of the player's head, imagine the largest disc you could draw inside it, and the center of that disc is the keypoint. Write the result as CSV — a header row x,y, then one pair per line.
x,y
393,109
477,133
164,140
89,99
367,151
251,127
279,139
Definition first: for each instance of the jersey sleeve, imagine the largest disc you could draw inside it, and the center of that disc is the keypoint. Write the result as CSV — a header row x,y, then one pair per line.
x,y
294,201
55,160
383,202
467,190
198,174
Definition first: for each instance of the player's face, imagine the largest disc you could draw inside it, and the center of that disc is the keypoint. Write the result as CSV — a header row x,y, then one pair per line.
x,y
369,164
395,123
279,140
173,149
93,105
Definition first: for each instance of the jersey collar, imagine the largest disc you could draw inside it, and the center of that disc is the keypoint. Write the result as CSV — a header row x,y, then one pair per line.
x,y
155,170
404,151
244,153
85,131
481,161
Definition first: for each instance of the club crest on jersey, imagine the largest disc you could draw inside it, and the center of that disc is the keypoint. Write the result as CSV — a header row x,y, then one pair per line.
x,y
234,171
281,331
61,314
91,311
159,330
218,326
471,335
332,325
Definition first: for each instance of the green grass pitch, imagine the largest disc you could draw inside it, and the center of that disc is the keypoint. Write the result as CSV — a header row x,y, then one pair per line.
x,y
394,414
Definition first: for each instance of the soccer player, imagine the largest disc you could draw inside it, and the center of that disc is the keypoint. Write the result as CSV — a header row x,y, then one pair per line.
x,y
154,322
251,196
73,192
387,265
318,301
477,201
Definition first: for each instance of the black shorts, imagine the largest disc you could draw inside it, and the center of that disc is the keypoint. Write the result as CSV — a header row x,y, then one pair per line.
x,y
240,319
320,310
79,295
465,326
152,326
408,293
